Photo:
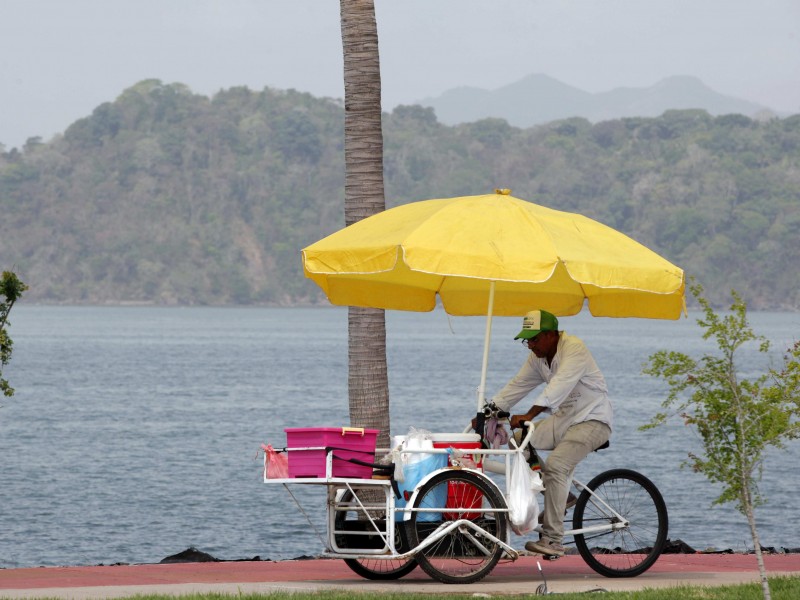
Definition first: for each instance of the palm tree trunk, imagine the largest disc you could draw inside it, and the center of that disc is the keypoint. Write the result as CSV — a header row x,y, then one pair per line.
x,y
368,381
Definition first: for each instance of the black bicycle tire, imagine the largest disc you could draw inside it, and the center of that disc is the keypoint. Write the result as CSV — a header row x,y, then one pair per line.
x,y
625,505
490,495
360,566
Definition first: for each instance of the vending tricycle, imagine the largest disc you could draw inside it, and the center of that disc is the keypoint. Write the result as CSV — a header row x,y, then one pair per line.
x,y
453,520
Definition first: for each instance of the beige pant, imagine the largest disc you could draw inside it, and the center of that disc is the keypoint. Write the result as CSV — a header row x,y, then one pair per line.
x,y
579,440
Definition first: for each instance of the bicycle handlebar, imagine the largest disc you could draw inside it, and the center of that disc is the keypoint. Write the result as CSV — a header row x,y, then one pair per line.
x,y
490,410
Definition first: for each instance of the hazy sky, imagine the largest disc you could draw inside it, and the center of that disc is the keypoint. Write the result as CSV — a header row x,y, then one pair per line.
x,y
59,59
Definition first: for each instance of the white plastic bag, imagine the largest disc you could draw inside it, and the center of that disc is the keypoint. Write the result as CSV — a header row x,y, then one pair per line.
x,y
523,505
417,439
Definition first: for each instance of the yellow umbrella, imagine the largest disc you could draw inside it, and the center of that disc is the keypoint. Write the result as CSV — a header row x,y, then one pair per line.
x,y
493,255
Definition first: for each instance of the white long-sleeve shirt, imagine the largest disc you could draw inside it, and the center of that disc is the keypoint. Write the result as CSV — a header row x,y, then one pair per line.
x,y
575,386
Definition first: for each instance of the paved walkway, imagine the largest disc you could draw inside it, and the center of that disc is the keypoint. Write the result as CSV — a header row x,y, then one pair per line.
x,y
568,574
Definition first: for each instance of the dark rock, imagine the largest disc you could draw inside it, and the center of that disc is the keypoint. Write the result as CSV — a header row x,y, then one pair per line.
x,y
792,550
188,556
678,547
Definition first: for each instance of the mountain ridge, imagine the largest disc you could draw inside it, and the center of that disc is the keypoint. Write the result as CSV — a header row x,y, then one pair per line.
x,y
538,98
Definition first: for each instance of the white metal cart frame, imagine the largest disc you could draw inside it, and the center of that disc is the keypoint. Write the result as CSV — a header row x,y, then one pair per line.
x,y
462,544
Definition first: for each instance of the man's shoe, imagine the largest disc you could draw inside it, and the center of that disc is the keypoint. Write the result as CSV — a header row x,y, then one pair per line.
x,y
545,547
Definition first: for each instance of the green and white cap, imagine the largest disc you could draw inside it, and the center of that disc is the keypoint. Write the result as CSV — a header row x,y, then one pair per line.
x,y
535,322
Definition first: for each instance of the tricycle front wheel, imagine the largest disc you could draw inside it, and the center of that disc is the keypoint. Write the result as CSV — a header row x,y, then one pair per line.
x,y
463,555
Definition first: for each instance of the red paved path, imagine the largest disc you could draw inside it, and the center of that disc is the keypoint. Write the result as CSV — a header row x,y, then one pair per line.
x,y
671,569
321,569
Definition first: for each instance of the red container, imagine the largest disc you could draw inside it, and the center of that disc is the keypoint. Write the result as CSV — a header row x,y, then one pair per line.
x,y
460,494
346,442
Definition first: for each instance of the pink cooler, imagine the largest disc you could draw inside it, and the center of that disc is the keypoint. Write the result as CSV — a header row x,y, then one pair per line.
x,y
459,494
346,442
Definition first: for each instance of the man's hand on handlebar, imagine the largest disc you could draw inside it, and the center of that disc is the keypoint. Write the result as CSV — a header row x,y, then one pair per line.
x,y
518,421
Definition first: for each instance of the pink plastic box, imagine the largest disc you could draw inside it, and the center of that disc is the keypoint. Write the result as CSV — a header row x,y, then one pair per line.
x,y
347,442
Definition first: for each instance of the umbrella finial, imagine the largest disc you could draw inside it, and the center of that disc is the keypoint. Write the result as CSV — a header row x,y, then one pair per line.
x,y
503,191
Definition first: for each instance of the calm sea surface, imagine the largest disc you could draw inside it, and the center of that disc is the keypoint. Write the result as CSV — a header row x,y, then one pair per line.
x,y
134,432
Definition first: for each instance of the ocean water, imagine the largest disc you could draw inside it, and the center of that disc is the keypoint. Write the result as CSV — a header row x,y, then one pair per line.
x,y
135,431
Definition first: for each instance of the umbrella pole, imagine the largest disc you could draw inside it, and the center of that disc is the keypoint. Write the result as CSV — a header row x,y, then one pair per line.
x,y
486,340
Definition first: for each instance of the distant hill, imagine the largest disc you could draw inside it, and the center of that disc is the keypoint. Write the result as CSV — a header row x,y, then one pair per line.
x,y
539,99
165,196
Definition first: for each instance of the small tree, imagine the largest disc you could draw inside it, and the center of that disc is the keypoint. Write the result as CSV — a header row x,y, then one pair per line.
x,y
737,420
11,289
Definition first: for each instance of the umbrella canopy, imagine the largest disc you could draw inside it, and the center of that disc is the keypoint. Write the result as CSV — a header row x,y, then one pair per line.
x,y
493,255
460,248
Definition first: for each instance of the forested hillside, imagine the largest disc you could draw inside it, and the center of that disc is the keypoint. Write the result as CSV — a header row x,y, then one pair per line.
x,y
170,197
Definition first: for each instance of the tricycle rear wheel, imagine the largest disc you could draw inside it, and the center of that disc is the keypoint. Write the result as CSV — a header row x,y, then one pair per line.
x,y
378,569
381,569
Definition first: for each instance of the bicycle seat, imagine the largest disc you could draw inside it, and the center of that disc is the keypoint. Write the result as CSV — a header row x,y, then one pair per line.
x,y
603,446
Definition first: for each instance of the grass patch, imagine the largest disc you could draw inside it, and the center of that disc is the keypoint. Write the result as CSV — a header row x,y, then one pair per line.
x,y
782,588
